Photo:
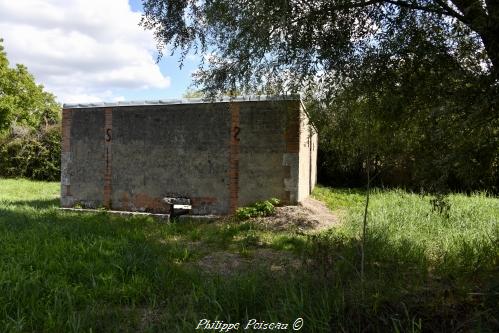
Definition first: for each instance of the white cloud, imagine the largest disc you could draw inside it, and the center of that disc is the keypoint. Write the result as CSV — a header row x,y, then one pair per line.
x,y
81,50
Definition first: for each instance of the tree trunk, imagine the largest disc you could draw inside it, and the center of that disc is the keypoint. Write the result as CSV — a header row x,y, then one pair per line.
x,y
483,18
490,39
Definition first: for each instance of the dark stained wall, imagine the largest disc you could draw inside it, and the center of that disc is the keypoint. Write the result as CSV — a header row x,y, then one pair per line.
x,y
220,155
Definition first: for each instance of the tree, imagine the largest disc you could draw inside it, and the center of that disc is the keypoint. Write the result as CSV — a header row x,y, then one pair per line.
x,y
415,74
430,126
425,71
265,43
30,136
22,101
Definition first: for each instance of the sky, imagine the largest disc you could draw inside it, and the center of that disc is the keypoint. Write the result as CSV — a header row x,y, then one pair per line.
x,y
86,51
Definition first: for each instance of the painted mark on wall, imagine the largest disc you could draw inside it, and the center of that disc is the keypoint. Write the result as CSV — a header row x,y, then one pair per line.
x,y
108,134
236,133
234,157
108,126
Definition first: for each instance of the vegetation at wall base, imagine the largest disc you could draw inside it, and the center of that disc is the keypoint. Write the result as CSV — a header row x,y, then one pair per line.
x,y
72,272
258,209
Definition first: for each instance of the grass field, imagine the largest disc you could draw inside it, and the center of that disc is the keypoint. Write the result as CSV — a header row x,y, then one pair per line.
x,y
66,272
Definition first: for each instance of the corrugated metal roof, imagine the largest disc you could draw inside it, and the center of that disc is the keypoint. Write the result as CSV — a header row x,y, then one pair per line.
x,y
246,98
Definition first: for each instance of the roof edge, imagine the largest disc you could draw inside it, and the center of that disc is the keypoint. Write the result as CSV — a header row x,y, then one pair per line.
x,y
225,99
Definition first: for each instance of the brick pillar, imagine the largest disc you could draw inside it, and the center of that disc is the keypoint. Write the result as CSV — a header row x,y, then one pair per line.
x,y
291,155
292,133
67,116
108,127
234,157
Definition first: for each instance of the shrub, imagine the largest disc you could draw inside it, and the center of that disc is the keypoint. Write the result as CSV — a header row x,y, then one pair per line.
x,y
30,153
258,209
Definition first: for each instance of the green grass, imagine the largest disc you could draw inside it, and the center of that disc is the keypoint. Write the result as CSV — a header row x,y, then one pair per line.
x,y
438,271
70,272
339,199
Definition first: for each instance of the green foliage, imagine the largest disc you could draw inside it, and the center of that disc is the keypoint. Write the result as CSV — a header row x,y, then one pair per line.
x,y
31,154
411,218
283,45
339,198
22,101
63,271
258,209
410,85
189,93
423,128
426,120
440,204
29,131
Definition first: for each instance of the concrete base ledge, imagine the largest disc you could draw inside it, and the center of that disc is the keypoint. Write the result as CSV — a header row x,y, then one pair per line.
x,y
165,217
198,217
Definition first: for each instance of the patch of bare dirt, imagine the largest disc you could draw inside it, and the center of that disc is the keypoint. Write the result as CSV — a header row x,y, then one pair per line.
x,y
227,263
311,215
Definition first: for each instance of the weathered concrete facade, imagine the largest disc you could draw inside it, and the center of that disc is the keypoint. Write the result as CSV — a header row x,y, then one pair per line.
x,y
221,155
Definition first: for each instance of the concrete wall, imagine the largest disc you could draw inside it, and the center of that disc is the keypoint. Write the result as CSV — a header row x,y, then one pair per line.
x,y
262,144
315,149
220,155
307,157
83,157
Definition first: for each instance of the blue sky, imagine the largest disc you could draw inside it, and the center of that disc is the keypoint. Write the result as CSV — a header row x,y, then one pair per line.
x,y
81,53
181,79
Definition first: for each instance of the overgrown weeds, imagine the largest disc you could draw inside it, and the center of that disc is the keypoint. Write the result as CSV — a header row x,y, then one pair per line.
x,y
258,209
424,272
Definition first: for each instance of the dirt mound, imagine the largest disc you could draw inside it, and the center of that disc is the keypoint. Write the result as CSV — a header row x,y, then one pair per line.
x,y
308,217
311,215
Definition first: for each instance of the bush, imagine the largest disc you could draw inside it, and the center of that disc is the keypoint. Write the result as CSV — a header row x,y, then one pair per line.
x,y
419,128
30,153
258,209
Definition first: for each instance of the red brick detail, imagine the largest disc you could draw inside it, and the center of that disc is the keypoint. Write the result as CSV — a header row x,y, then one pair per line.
x,y
108,127
292,134
67,116
234,158
67,190
292,139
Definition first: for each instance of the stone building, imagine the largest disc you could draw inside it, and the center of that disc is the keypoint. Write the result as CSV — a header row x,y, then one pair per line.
x,y
221,155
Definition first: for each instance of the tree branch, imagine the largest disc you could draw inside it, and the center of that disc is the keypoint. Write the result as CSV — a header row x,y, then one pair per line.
x,y
427,9
452,12
353,5
445,8
492,7
471,10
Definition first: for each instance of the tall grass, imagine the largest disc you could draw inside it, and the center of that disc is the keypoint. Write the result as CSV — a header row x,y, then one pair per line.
x,y
431,271
68,272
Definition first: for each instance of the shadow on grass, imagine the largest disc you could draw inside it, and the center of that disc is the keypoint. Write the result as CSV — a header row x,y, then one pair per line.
x,y
404,290
60,271
38,204
72,272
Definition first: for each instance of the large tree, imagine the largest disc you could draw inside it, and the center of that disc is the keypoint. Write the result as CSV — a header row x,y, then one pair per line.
x,y
278,43
23,102
411,83
30,140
